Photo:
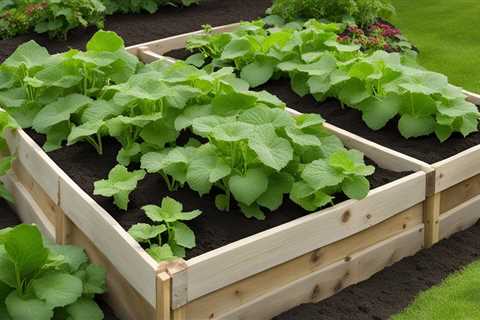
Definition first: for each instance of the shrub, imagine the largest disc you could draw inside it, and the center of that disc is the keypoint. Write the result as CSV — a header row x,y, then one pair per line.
x,y
363,11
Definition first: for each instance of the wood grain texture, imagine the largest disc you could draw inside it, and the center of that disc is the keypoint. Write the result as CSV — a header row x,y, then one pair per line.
x,y
26,207
222,301
164,299
35,161
242,259
459,193
456,169
431,219
472,97
460,218
125,301
327,281
110,238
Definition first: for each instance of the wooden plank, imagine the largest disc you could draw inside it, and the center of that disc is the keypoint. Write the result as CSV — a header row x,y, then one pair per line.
x,y
125,301
147,56
35,161
26,207
179,41
110,238
431,219
232,297
164,290
457,168
460,218
459,193
177,269
48,207
331,279
472,97
242,259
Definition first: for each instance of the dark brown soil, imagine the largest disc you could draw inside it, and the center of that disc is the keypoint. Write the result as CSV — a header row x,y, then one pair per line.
x,y
213,229
393,289
428,149
138,28
8,217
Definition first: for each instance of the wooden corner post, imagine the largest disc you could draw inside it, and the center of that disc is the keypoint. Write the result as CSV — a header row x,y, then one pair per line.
x,y
432,219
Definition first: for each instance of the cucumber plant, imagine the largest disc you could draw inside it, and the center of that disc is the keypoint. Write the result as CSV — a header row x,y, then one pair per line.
x,y
383,86
168,218
41,281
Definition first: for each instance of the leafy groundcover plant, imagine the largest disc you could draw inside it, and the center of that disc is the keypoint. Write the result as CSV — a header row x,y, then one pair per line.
x,y
383,86
61,95
136,6
177,236
58,17
54,17
40,281
364,12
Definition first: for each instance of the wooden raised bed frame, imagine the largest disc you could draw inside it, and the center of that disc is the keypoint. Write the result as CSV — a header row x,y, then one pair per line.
x,y
258,277
453,184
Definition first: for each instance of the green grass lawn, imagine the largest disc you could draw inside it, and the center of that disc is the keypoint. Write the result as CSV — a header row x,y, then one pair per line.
x,y
458,297
447,32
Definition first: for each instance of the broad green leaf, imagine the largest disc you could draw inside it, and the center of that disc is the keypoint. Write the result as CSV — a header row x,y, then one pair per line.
x,y
411,126
29,54
58,289
161,253
236,48
59,111
119,184
84,309
7,269
257,73
232,132
73,256
319,174
143,232
6,164
105,41
252,211
249,187
24,246
376,112
184,236
278,185
260,115
84,130
353,92
308,120
356,187
232,103
197,60
27,309
170,211
302,139
94,280
271,150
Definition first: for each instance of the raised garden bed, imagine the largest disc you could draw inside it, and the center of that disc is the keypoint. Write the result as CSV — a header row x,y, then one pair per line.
x,y
246,274
452,177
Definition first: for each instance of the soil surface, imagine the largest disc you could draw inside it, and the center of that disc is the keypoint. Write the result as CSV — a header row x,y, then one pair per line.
x,y
8,217
393,289
139,28
428,149
213,229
